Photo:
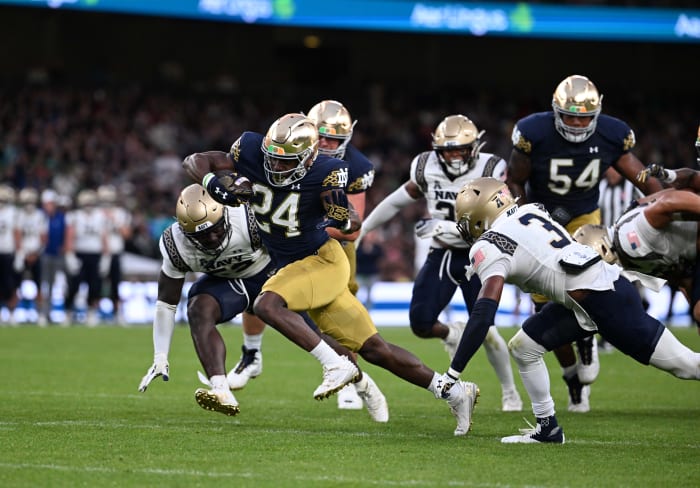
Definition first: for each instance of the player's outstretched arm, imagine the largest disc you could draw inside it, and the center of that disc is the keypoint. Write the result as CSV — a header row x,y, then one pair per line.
x,y
169,290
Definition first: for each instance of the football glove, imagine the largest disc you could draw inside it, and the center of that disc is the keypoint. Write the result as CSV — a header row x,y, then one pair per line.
x,y
426,228
72,263
228,189
444,383
158,369
655,170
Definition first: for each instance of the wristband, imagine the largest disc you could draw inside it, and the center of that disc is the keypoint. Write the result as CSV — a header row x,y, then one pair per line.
x,y
670,176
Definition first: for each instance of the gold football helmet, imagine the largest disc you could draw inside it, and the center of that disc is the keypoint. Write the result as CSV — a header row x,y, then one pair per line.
x,y
479,203
28,197
597,237
576,96
203,220
107,194
290,148
334,122
457,133
7,194
86,198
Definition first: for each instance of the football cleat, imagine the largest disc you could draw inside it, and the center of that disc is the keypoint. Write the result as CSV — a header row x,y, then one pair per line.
x,y
348,399
451,342
511,401
578,395
588,364
461,398
221,401
373,398
546,431
248,367
335,377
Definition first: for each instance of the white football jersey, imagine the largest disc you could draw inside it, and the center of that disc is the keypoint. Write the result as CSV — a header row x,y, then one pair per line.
x,y
90,229
33,225
525,246
8,217
243,257
440,189
117,219
656,252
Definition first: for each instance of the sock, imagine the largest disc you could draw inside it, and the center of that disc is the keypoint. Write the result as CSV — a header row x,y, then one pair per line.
x,y
432,387
325,354
252,341
219,382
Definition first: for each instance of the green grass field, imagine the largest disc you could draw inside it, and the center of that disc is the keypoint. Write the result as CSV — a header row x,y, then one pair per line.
x,y
71,416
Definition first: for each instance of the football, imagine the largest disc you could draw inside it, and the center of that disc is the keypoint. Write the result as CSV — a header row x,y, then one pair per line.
x,y
239,185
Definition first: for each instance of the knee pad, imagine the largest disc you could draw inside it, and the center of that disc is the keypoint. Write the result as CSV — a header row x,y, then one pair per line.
x,y
524,350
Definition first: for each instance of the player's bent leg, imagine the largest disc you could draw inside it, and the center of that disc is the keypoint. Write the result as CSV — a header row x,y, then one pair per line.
x,y
674,357
497,354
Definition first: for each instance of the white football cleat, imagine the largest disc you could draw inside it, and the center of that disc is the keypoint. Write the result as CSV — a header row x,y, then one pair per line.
x,y
462,398
588,364
348,399
373,398
221,401
248,367
335,377
511,401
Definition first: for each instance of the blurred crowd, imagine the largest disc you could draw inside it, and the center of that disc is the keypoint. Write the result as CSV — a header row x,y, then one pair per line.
x,y
67,138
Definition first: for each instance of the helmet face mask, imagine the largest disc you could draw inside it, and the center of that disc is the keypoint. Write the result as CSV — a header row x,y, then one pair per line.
x,y
597,237
457,143
576,96
479,203
333,122
289,148
203,220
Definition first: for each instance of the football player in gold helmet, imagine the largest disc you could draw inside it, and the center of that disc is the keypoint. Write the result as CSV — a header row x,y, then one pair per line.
x,y
560,156
313,270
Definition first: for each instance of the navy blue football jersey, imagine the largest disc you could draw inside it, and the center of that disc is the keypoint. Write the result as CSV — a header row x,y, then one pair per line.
x,y
566,174
360,168
288,217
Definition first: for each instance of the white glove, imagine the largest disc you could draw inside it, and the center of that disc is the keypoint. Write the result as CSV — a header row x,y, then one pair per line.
x,y
18,263
426,228
72,263
158,369
444,383
105,263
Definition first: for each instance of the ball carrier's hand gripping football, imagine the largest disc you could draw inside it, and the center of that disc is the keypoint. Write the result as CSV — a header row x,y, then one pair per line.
x,y
339,212
228,188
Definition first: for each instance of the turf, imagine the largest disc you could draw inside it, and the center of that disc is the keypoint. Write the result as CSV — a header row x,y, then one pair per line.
x,y
71,416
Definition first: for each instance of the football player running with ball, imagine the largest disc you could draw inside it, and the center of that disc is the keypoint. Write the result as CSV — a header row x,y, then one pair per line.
x,y
297,194
526,247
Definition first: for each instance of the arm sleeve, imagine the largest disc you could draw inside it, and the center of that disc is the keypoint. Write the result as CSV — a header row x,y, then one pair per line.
x,y
481,318
387,208
163,327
